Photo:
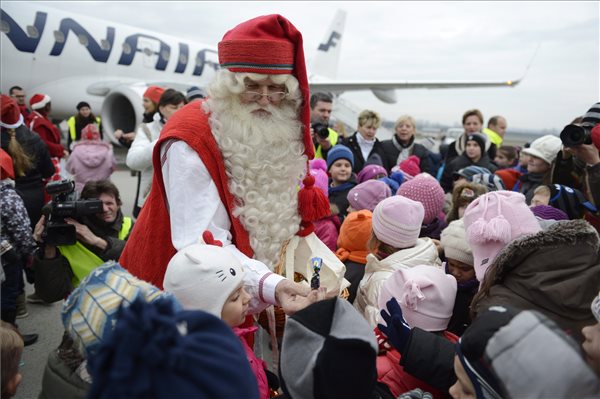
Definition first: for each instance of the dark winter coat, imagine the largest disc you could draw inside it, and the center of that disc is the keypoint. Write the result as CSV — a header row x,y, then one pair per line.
x,y
338,198
359,162
527,184
556,272
31,186
391,153
462,162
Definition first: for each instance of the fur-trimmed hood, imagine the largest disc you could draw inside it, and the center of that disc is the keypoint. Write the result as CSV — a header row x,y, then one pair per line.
x,y
556,272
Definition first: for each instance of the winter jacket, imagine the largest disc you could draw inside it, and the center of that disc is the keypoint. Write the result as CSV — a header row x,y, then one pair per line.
x,y
62,381
527,184
459,163
31,186
433,229
139,156
48,132
392,374
556,272
391,152
378,271
327,229
338,197
16,228
461,319
457,147
90,160
257,365
359,161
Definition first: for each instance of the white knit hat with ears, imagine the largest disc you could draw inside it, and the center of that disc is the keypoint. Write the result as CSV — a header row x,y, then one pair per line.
x,y
454,242
202,276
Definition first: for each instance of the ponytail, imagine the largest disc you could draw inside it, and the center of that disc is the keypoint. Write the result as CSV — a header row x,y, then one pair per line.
x,y
22,162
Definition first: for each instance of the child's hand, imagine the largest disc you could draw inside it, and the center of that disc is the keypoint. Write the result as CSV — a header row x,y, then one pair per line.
x,y
397,330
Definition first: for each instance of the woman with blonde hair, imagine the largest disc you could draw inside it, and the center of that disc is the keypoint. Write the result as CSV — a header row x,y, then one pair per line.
x,y
402,145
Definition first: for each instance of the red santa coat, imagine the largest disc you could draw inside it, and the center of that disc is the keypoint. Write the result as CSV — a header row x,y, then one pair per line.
x,y
149,247
48,133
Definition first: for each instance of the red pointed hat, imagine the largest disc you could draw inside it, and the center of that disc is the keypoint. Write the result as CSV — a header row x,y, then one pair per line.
x,y
6,166
10,116
270,45
154,93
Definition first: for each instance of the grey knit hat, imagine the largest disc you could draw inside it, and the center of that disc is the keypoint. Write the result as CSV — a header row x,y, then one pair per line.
x,y
454,242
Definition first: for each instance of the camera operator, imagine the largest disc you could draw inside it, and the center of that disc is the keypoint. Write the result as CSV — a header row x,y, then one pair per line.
x,y
323,136
100,237
578,164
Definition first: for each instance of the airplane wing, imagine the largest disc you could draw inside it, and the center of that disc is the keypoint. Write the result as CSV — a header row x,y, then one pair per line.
x,y
341,86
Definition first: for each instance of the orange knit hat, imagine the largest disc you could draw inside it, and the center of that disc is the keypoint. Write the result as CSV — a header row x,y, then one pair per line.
x,y
355,233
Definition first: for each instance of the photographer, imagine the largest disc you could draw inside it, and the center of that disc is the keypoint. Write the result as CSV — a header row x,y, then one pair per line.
x,y
578,164
323,136
100,237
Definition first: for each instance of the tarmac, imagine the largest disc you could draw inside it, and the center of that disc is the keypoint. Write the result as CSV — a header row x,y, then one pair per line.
x,y
45,320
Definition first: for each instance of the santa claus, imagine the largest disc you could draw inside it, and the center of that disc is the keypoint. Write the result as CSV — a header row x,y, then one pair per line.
x,y
233,164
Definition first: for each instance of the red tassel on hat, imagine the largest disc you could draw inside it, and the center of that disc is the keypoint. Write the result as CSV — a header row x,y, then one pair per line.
x,y
312,203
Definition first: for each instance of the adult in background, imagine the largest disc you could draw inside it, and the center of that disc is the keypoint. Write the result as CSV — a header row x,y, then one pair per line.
x,y
233,163
363,142
139,156
48,132
321,105
496,129
402,145
472,122
80,120
18,94
150,103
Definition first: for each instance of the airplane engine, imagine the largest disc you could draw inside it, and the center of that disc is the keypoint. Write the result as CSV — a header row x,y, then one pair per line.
x,y
122,109
387,96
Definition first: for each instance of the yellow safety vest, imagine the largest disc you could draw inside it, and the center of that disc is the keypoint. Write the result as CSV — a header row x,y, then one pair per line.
x,y
333,138
71,123
494,137
82,260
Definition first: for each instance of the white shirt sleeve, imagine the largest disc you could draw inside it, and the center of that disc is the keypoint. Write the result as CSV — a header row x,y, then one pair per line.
x,y
195,206
139,156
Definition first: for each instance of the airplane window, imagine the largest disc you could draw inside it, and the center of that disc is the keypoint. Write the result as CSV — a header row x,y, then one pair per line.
x,y
148,51
32,32
183,59
105,44
83,40
126,48
59,37
165,55
4,27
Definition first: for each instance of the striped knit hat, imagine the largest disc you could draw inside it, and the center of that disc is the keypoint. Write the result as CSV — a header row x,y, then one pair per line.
x,y
270,45
89,314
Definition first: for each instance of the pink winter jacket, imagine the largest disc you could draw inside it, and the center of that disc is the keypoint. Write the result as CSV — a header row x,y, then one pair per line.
x,y
90,160
328,229
257,365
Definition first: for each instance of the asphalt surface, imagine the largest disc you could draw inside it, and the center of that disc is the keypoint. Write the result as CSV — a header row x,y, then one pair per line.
x,y
45,320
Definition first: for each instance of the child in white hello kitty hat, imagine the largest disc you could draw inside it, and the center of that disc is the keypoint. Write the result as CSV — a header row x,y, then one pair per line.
x,y
205,276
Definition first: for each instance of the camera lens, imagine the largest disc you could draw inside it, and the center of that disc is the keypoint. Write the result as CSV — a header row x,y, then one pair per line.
x,y
573,135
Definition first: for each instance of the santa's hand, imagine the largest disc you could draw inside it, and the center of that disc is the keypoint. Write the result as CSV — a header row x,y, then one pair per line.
x,y
293,297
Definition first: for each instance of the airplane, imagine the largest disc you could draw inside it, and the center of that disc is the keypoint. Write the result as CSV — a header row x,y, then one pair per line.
x,y
72,57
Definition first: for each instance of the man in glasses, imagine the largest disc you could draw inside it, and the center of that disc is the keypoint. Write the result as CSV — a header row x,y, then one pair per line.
x,y
232,164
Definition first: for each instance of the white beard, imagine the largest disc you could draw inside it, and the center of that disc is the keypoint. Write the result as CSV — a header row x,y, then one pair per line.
x,y
265,163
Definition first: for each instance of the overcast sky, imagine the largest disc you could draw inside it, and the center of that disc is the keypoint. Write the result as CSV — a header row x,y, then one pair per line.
x,y
423,41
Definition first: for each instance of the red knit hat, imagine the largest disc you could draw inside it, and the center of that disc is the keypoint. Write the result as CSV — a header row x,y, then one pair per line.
x,y
11,117
39,101
411,165
270,45
6,165
154,93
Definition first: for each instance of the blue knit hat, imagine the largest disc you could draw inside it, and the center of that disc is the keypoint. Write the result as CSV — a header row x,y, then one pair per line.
x,y
158,352
470,171
339,152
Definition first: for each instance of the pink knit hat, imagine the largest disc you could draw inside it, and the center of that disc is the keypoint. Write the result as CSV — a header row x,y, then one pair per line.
x,y
426,190
397,221
368,194
318,163
321,180
368,172
492,221
426,295
411,165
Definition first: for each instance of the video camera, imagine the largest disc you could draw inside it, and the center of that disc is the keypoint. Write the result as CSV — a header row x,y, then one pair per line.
x,y
66,205
320,129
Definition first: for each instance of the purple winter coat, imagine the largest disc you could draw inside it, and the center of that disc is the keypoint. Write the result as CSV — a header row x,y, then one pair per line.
x,y
328,230
90,160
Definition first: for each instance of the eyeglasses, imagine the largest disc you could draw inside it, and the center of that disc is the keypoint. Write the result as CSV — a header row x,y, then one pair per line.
x,y
273,96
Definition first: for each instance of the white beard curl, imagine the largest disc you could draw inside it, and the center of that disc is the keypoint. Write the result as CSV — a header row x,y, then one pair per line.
x,y
265,163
